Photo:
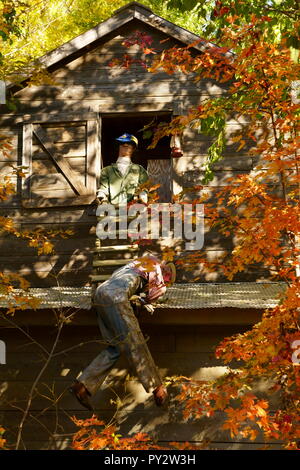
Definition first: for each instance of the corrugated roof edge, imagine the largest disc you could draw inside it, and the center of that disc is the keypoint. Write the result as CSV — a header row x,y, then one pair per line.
x,y
257,295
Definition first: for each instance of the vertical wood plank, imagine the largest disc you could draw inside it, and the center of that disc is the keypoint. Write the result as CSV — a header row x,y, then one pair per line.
x,y
93,143
159,173
27,158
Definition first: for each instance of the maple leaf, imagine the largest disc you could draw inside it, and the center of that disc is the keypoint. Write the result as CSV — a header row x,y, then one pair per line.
x,y
147,51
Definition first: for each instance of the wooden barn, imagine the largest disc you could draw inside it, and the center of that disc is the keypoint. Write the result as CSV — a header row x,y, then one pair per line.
x,y
64,134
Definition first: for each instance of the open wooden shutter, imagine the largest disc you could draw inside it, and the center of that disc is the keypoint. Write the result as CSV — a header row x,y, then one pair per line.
x,y
63,156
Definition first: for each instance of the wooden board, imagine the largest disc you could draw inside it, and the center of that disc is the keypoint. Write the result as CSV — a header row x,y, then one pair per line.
x,y
143,87
92,71
159,172
58,181
43,166
228,163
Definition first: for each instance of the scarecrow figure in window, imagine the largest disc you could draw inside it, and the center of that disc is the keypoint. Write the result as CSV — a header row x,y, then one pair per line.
x,y
142,282
119,181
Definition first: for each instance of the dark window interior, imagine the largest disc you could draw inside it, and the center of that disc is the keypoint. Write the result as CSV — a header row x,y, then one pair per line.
x,y
115,125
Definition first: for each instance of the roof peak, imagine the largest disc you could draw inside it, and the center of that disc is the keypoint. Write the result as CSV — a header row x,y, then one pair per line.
x,y
123,16
132,4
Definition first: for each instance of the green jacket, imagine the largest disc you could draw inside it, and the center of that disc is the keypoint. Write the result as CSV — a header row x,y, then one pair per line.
x,y
120,189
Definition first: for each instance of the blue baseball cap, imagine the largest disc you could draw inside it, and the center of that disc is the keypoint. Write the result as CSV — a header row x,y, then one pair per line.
x,y
128,138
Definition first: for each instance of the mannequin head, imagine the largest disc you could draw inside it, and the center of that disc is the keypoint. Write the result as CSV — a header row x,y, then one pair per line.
x,y
169,273
127,145
126,149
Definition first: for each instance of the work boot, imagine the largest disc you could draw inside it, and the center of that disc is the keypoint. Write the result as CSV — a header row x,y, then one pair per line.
x,y
82,394
160,395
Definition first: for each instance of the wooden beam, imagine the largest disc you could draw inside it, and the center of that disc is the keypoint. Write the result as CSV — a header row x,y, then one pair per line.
x,y
111,262
116,248
93,149
99,277
173,30
27,158
132,5
60,161
87,38
52,201
2,92
61,117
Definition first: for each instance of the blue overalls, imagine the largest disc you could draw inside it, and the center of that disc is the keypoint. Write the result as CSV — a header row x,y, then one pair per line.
x,y
120,329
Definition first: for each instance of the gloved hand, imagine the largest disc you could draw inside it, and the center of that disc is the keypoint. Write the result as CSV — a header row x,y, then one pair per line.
x,y
101,197
143,197
150,309
98,201
139,301
102,200
136,300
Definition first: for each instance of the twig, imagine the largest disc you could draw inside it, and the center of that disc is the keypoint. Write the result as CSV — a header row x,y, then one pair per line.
x,y
79,345
25,333
60,326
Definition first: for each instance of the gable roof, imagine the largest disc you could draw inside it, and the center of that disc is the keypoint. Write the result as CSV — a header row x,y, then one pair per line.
x,y
121,17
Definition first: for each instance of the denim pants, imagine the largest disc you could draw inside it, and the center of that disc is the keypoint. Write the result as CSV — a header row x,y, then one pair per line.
x,y
121,331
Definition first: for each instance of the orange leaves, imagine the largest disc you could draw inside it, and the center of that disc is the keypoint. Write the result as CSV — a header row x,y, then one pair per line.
x,y
15,300
6,146
7,224
7,188
250,409
263,348
231,18
93,421
260,408
242,144
261,211
2,440
187,446
181,59
147,51
94,434
147,264
250,433
168,254
233,424
38,239
6,281
21,302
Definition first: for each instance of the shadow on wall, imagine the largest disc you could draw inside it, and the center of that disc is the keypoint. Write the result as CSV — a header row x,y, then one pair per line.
x,y
121,400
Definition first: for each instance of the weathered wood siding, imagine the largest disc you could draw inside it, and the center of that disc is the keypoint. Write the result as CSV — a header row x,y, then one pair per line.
x,y
87,84
177,348
181,341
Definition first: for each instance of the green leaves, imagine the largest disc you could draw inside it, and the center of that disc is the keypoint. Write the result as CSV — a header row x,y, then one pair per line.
x,y
213,125
215,153
183,5
280,17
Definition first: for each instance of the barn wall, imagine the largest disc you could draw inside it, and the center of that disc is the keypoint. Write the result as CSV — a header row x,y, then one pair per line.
x,y
178,349
88,84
